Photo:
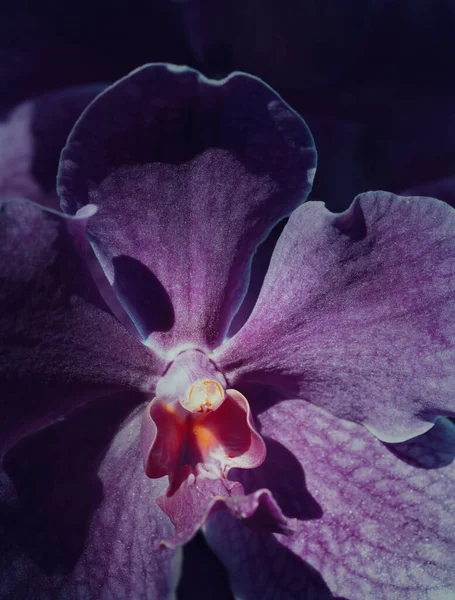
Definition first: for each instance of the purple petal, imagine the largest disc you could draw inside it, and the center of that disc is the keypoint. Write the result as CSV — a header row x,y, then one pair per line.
x,y
190,175
78,515
59,343
357,314
260,567
387,529
31,139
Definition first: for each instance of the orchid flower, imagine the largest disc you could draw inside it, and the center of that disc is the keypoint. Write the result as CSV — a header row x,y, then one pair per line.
x,y
308,442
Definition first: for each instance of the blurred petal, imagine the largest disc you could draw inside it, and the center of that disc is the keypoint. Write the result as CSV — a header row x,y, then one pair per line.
x,y
293,45
59,343
73,528
31,139
190,175
443,188
303,45
357,314
387,529
418,148
58,46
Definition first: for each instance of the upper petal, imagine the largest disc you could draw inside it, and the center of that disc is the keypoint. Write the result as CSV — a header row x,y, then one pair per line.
x,y
386,526
357,314
91,527
59,343
189,175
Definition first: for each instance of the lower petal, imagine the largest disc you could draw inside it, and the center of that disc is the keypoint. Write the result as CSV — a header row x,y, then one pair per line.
x,y
386,530
87,530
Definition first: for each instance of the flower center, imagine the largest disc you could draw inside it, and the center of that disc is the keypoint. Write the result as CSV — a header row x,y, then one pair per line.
x,y
194,426
204,396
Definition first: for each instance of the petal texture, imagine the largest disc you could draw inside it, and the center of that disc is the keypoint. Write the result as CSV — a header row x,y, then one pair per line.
x,y
59,343
387,528
190,175
90,527
31,139
357,314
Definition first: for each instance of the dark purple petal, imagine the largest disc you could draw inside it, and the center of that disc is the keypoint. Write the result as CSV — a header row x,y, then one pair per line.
x,y
292,45
31,139
190,175
387,527
305,44
78,515
54,46
357,314
59,343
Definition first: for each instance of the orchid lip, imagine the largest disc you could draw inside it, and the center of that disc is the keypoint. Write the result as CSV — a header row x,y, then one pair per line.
x,y
204,396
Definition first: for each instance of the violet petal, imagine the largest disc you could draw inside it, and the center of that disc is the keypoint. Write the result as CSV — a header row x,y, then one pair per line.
x,y
59,343
31,139
190,175
78,514
387,529
357,314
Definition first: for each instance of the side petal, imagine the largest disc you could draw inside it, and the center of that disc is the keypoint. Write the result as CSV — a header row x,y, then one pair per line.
x,y
190,175
88,530
357,314
59,343
31,139
387,528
